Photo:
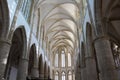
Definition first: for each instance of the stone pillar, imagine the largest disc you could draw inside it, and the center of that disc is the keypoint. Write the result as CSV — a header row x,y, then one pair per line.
x,y
4,51
35,72
83,73
60,76
46,73
22,69
105,59
66,76
41,75
41,72
91,71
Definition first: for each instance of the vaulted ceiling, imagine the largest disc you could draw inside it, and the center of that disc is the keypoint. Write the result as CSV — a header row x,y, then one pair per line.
x,y
60,23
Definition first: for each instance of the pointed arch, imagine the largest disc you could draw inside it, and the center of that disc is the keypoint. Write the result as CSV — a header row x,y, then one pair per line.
x,y
32,60
17,54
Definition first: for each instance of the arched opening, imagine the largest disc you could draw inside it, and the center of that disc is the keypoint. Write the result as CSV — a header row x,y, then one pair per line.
x,y
63,58
16,54
63,76
70,76
56,59
41,67
32,61
69,59
56,75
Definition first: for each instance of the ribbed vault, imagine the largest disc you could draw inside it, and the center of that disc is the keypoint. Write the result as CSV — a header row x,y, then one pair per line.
x,y
59,24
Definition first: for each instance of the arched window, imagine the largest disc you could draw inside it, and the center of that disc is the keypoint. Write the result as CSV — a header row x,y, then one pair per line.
x,y
63,75
56,60
69,60
69,75
63,59
56,76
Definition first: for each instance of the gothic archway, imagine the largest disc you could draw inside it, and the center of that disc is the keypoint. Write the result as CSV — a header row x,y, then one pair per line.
x,y
16,54
32,69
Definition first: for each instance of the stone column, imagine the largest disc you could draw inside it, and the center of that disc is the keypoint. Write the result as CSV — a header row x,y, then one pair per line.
x,y
105,59
91,70
46,73
4,51
83,73
35,71
22,69
41,75
66,76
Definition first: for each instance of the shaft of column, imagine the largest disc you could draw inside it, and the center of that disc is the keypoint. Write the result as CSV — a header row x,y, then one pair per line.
x,y
91,71
83,74
35,72
41,75
105,60
4,51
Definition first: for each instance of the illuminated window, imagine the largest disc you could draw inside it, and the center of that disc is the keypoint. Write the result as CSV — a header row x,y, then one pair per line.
x,y
63,59
56,76
56,60
69,59
69,75
63,75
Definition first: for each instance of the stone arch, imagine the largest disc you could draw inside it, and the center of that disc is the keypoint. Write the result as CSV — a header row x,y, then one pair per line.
x,y
41,67
17,55
32,66
4,19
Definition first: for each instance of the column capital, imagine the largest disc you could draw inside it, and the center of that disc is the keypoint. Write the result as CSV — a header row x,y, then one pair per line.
x,y
5,41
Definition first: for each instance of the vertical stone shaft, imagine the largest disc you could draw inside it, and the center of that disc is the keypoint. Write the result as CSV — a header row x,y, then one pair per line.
x,y
105,60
